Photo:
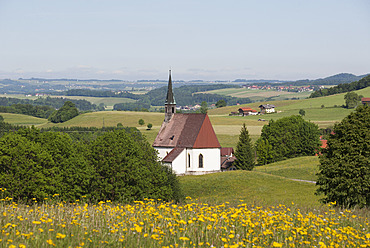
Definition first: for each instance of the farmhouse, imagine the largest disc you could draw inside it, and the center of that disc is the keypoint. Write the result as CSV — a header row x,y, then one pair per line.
x,y
267,108
227,159
365,101
187,142
247,111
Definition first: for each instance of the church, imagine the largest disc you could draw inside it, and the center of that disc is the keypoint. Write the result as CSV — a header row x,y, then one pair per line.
x,y
187,142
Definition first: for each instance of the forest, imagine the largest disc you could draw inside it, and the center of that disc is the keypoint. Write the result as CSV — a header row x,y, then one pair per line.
x,y
342,88
42,107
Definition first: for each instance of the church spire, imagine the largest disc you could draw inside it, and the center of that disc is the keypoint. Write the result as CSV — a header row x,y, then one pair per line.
x,y
170,98
170,104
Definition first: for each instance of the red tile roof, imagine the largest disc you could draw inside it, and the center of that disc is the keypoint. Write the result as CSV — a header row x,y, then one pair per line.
x,y
187,131
365,99
172,155
245,109
324,143
226,162
227,151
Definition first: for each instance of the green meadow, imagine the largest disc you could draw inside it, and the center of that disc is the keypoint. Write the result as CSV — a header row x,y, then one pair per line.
x,y
259,95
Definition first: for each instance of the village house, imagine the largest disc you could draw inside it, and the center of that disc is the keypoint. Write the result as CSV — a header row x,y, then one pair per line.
x,y
187,142
267,108
365,101
247,111
227,159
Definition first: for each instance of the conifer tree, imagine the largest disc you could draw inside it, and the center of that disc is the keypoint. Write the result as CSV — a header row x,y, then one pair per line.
x,y
244,152
344,170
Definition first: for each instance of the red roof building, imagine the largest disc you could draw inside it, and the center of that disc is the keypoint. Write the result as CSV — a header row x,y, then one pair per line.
x,y
187,142
365,100
247,111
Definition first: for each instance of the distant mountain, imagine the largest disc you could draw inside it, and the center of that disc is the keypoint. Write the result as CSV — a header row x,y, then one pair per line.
x,y
341,78
331,80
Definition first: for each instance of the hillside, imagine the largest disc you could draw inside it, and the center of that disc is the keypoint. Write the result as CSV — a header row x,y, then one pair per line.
x,y
256,187
327,115
340,78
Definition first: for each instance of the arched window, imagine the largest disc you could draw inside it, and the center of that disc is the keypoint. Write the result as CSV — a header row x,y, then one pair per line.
x,y
189,160
200,161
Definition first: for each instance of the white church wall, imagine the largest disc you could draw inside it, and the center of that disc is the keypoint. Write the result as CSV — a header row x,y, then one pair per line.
x,y
178,164
163,151
211,160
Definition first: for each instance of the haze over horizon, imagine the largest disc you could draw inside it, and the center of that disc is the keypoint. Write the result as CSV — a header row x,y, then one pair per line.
x,y
205,40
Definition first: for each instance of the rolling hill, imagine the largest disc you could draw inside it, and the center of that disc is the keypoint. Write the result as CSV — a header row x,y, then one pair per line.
x,y
257,187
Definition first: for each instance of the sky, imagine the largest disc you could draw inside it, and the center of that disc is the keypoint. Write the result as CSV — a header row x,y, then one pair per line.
x,y
197,39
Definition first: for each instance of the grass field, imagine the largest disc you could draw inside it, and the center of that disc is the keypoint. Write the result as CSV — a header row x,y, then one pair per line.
x,y
258,95
253,187
26,120
324,117
304,168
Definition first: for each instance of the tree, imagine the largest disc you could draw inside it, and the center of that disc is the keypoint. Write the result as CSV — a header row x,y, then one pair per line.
x,y
352,99
203,107
302,112
221,103
244,152
344,170
126,168
65,113
264,151
149,126
119,125
141,122
290,137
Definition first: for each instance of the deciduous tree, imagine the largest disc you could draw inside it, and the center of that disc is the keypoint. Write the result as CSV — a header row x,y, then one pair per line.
x,y
352,99
204,107
65,113
221,103
290,137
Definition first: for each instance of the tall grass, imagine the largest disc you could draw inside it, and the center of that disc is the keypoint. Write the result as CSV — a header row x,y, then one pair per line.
x,y
153,223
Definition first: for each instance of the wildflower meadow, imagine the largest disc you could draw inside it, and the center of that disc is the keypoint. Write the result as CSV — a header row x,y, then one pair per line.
x,y
154,223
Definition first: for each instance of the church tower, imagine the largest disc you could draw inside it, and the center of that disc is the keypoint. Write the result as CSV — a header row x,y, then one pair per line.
x,y
170,104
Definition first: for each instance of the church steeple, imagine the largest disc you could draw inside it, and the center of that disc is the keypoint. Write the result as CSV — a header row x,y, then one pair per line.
x,y
170,104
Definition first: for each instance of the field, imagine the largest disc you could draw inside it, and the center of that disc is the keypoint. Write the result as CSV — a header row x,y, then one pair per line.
x,y
259,95
229,209
26,120
324,111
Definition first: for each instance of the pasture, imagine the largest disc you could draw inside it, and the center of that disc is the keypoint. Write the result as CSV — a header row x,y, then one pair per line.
x,y
25,120
324,111
259,95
